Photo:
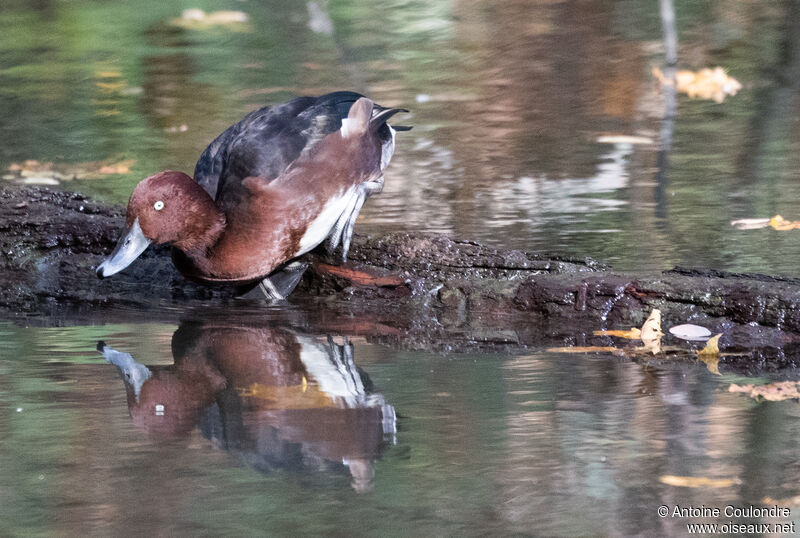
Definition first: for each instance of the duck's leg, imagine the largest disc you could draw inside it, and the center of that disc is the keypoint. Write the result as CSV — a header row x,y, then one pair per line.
x,y
280,283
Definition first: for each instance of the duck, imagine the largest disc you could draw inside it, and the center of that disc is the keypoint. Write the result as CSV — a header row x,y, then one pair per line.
x,y
270,188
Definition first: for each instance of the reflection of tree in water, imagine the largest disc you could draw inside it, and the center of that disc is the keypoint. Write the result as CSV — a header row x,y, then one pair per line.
x,y
275,399
599,436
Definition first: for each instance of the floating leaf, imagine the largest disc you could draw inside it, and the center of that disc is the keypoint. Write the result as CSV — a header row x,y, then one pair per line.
x,y
197,19
122,167
631,334
651,330
712,346
582,349
108,74
651,346
777,222
698,481
33,171
781,224
688,331
773,392
711,362
791,501
707,83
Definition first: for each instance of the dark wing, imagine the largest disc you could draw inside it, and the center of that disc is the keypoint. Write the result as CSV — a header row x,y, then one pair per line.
x,y
267,140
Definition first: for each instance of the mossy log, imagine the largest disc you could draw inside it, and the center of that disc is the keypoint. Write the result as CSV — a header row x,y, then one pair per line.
x,y
414,290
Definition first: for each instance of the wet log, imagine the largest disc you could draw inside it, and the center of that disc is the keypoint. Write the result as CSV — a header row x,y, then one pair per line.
x,y
412,290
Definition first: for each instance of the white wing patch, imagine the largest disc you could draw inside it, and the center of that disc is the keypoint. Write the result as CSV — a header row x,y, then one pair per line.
x,y
321,226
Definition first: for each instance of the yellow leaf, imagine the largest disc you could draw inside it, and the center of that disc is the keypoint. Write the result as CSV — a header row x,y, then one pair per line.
x,y
632,334
198,19
711,362
712,347
110,87
651,346
740,388
773,392
651,330
581,349
698,481
791,501
782,225
707,83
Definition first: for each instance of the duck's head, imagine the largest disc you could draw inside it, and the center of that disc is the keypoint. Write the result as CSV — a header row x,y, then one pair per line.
x,y
166,208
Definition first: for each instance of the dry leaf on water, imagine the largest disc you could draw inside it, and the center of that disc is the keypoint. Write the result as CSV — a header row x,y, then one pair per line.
x,y
650,334
698,481
197,19
709,355
122,167
707,83
48,173
782,225
791,501
651,346
711,362
777,222
773,392
631,334
582,349
651,330
711,348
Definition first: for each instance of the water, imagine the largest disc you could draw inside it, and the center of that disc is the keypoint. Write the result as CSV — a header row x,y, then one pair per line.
x,y
508,106
434,444
509,103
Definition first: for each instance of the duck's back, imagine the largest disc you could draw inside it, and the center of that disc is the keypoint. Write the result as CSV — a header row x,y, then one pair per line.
x,y
267,140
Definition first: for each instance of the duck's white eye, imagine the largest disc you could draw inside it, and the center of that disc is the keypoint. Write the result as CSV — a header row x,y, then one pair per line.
x,y
158,206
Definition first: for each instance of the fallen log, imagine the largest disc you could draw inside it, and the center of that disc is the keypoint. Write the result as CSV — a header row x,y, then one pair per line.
x,y
412,290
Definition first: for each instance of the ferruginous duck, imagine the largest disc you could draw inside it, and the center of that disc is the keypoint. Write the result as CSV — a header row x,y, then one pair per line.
x,y
228,226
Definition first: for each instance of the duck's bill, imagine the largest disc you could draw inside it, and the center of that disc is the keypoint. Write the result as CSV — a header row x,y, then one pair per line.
x,y
129,247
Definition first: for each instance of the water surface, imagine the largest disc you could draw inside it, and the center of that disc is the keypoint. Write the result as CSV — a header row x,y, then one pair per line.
x,y
395,443
266,426
508,102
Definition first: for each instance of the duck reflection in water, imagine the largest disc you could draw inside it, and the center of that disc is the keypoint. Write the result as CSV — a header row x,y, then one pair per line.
x,y
276,399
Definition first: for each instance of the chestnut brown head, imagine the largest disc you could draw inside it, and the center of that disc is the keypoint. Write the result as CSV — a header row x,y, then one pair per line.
x,y
168,207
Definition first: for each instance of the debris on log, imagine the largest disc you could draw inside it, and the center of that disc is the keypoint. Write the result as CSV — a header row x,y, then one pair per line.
x,y
412,290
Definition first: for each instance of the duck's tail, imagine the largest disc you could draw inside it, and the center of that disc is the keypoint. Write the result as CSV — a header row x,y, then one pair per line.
x,y
381,116
364,115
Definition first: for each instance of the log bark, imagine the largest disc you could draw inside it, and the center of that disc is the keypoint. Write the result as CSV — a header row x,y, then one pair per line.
x,y
409,290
